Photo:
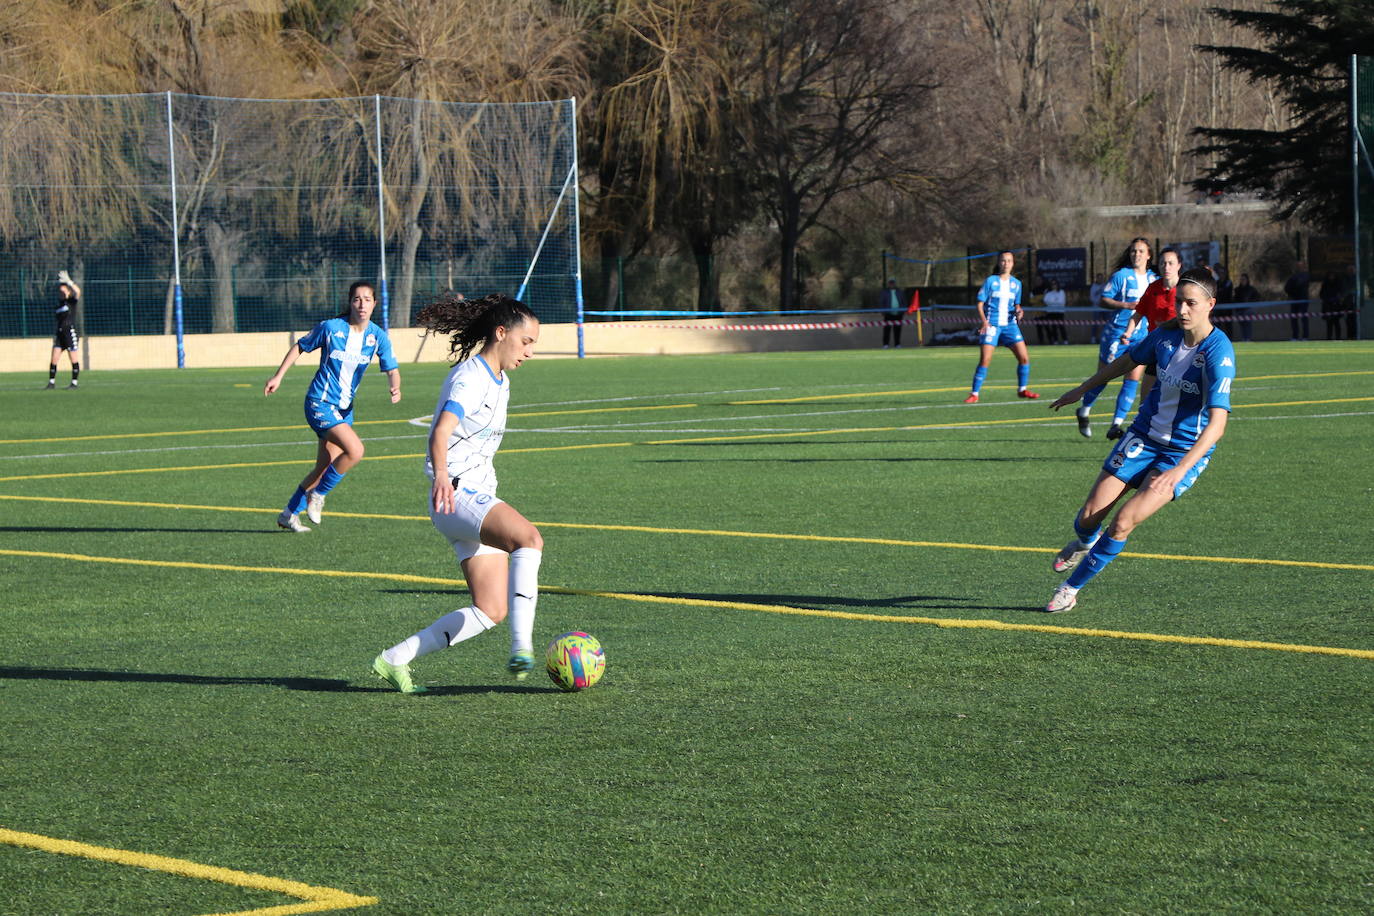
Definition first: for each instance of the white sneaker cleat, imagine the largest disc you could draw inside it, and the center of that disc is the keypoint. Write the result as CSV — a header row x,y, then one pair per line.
x,y
314,506
291,523
1072,554
1065,599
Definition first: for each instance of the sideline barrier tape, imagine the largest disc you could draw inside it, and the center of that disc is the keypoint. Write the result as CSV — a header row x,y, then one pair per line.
x,y
940,315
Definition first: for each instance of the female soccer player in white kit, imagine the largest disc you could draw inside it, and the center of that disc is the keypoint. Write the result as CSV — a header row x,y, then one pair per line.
x,y
498,548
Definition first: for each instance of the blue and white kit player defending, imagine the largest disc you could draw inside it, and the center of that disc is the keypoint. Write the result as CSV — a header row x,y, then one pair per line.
x,y
498,548
1123,291
1171,440
347,343
999,310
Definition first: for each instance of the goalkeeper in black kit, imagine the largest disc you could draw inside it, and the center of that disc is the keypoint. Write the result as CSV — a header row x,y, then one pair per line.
x,y
68,293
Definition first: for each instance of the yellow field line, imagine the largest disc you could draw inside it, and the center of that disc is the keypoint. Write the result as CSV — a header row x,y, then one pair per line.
x,y
731,605
302,426
317,899
709,532
677,441
819,397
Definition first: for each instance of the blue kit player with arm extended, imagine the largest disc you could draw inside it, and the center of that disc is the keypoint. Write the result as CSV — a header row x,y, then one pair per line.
x,y
347,345
999,310
1123,291
1171,440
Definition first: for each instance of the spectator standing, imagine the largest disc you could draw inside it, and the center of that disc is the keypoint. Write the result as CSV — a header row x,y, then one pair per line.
x,y
1245,293
1349,285
895,309
1055,304
1331,289
1296,289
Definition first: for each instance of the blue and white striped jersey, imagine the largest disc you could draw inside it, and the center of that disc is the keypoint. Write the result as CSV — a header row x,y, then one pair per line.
x,y
1192,380
1125,286
478,398
345,357
1000,299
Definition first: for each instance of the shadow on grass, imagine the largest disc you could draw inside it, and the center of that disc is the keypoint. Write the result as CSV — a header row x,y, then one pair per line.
x,y
59,528
321,684
805,602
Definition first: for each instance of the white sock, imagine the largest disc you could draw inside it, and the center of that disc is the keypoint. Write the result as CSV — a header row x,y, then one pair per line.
x,y
524,594
448,630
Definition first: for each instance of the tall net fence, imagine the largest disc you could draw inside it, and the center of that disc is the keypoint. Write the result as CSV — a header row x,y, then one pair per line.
x,y
266,211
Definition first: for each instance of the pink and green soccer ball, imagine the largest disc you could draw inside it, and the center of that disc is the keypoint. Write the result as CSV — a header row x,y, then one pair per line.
x,y
575,661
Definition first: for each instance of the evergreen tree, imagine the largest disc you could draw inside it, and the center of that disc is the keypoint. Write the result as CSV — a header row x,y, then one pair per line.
x,y
1304,59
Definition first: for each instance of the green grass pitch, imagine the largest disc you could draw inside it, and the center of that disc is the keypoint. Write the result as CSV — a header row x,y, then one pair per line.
x,y
782,728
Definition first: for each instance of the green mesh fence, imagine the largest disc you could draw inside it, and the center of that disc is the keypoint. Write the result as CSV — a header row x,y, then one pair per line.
x,y
267,210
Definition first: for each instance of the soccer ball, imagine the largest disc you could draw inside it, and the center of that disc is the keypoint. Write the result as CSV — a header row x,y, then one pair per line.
x,y
575,661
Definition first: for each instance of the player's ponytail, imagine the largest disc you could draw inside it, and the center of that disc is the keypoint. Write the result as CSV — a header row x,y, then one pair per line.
x,y
471,323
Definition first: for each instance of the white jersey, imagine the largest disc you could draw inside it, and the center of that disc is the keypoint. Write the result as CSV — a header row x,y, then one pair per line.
x,y
474,394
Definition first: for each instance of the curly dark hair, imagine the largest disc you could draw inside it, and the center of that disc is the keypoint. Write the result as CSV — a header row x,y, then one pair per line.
x,y
471,323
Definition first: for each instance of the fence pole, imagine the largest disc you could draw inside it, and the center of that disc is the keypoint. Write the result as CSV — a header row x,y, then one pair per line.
x,y
381,217
129,293
1357,302
577,233
176,241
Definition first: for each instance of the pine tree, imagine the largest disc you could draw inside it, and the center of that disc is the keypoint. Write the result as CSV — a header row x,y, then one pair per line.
x,y
1304,59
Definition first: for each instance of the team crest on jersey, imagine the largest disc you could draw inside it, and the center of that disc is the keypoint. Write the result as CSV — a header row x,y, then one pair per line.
x,y
1199,361
371,340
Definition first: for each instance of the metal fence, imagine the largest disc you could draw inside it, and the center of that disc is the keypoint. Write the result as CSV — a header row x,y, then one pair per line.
x,y
187,214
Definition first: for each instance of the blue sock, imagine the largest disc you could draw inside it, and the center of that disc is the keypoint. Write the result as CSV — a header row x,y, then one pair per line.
x,y
328,481
1125,399
978,375
1022,376
1103,552
1092,395
297,502
1085,537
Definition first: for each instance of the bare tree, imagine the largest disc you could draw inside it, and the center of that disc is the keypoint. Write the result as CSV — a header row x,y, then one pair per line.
x,y
830,114
434,51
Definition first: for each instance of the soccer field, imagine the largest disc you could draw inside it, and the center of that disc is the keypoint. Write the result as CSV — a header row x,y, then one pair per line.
x,y
830,687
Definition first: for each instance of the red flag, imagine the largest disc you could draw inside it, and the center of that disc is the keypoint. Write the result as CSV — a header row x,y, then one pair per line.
x,y
915,302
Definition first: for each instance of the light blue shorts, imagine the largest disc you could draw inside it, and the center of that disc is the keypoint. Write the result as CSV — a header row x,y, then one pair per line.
x,y
1135,456
1003,335
1109,345
321,415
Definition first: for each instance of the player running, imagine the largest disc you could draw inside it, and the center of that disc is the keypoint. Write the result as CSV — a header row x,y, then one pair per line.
x,y
68,294
1171,440
1126,286
1156,306
999,310
497,547
347,344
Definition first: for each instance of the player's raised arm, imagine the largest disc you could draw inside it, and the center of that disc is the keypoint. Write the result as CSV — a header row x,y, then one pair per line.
x,y
1117,368
287,362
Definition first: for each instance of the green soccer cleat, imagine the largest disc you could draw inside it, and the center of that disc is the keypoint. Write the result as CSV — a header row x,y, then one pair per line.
x,y
521,664
397,676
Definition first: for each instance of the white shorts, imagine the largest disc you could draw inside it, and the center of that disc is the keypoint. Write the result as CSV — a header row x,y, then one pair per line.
x,y
463,526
